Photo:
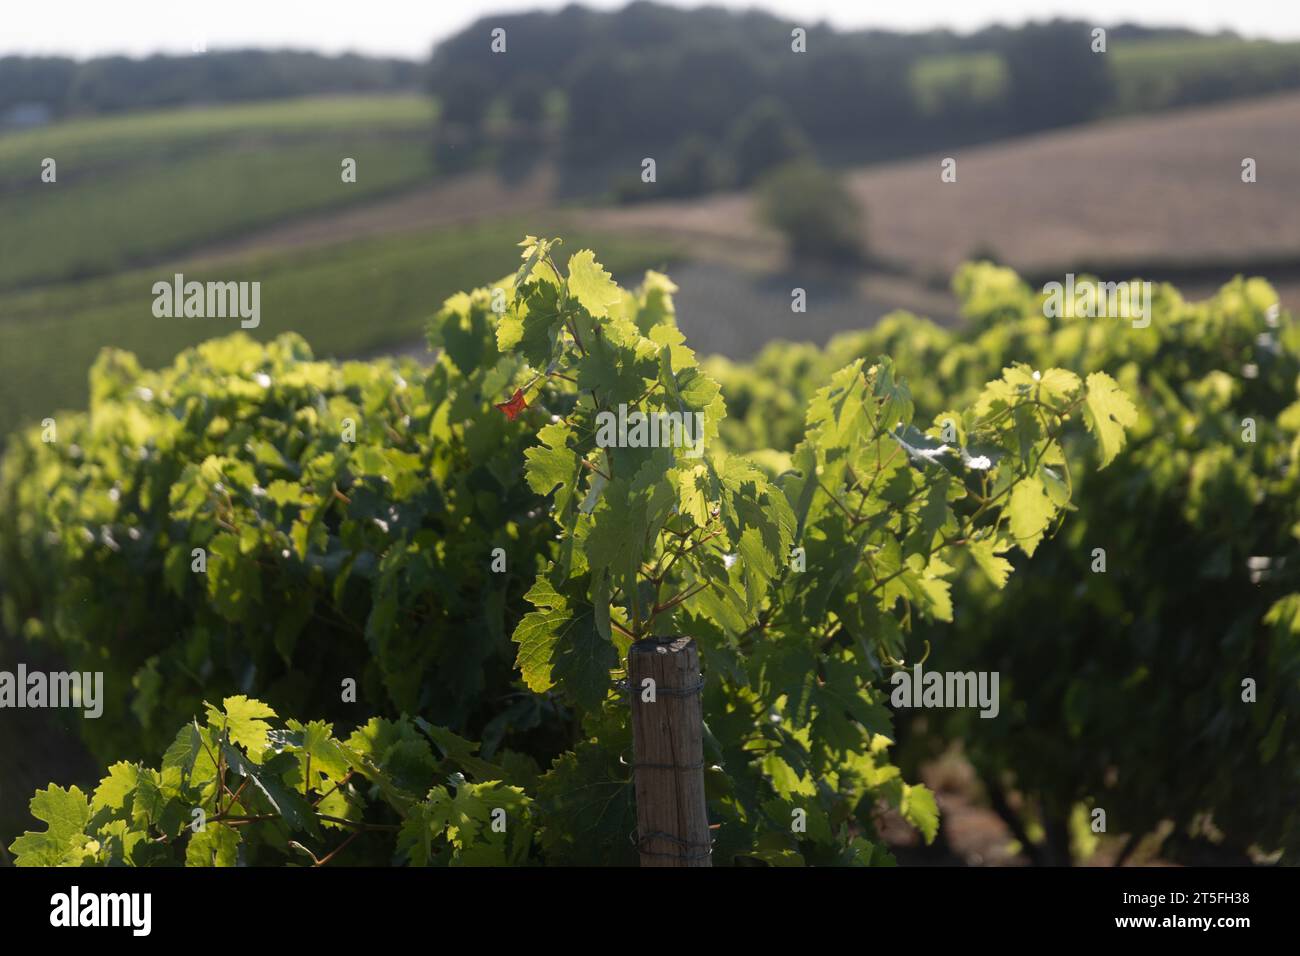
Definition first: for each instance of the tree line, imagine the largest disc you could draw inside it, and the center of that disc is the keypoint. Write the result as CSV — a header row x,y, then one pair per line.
x,y
715,96
57,87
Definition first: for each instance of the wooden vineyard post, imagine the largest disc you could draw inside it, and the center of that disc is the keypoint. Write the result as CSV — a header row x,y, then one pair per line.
x,y
668,752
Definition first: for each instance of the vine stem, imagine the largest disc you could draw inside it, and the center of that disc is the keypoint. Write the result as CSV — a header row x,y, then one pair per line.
x,y
683,552
338,849
594,468
321,798
678,599
261,818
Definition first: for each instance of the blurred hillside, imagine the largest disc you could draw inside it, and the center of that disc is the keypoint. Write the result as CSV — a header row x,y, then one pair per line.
x,y
1161,197
717,96
227,165
35,90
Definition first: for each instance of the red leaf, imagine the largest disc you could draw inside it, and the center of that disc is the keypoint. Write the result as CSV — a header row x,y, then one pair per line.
x,y
516,405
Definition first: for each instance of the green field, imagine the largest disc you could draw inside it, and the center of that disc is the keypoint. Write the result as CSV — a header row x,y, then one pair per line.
x,y
137,192
134,188
346,300
958,78
1149,75
1168,73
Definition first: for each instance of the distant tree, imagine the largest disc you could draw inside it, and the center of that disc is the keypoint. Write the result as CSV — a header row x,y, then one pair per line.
x,y
856,93
812,208
115,83
706,84
464,97
764,137
43,81
528,101
699,166
1054,78
606,101
640,80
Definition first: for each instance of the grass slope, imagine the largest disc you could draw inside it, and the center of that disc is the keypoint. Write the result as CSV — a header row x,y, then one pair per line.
x,y
346,300
134,188
1149,75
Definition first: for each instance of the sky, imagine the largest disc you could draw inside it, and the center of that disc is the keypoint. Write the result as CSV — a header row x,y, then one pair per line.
x,y
408,28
